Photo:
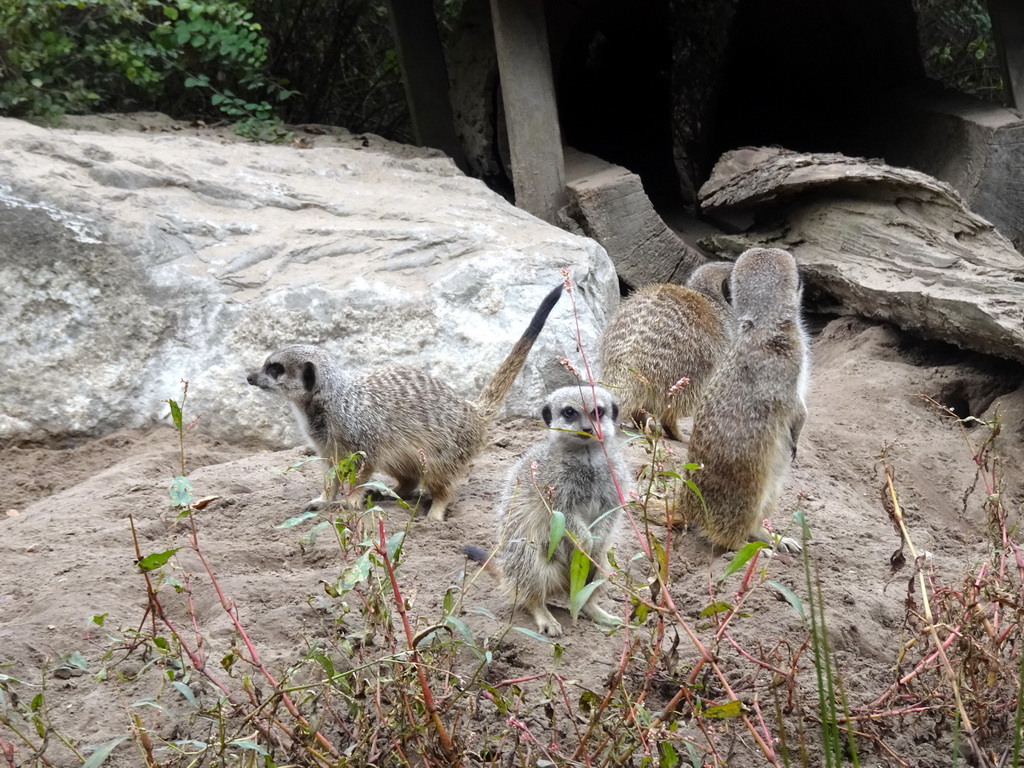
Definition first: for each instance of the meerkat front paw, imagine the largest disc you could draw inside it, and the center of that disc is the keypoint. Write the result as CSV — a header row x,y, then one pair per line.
x,y
546,623
317,504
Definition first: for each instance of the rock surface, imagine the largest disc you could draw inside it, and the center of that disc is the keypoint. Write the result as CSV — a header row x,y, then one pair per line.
x,y
887,243
130,261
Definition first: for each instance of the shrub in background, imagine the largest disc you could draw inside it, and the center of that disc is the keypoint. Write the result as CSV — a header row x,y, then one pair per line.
x,y
197,59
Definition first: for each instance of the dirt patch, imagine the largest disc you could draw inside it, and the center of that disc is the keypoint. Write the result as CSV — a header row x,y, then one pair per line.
x,y
67,555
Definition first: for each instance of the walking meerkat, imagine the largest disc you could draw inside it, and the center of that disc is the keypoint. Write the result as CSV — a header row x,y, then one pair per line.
x,y
660,335
572,472
407,423
746,426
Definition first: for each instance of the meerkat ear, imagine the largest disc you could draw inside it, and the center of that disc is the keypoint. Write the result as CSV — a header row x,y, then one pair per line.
x,y
727,290
615,411
546,413
309,376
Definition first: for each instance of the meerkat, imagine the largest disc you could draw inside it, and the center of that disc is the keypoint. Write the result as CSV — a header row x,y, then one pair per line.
x,y
573,471
405,422
661,347
746,427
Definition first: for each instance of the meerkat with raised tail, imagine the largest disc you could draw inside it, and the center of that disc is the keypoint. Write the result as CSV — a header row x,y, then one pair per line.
x,y
573,471
662,346
407,423
746,427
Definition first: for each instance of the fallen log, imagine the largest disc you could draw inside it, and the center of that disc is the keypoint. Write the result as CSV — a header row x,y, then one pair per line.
x,y
888,243
609,204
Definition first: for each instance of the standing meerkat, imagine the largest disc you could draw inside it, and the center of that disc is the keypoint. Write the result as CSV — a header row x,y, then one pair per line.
x,y
660,335
746,427
571,472
407,423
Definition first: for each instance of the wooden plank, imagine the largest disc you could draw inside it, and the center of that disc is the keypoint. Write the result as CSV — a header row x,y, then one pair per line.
x,y
425,77
1008,29
531,114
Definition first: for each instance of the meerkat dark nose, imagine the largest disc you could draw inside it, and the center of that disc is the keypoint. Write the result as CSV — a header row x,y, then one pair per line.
x,y
251,378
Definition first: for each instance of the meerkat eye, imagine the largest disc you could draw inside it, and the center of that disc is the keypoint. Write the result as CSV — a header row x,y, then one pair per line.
x,y
600,412
274,370
569,412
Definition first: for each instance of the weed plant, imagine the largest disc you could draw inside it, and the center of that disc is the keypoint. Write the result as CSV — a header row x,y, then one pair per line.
x,y
383,685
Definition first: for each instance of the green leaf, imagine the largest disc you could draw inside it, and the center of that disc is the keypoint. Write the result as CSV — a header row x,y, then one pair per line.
x,y
36,82
669,757
395,547
579,568
789,595
102,752
162,643
308,539
180,491
556,530
291,522
154,561
462,628
448,603
534,635
716,607
742,558
580,598
731,709
170,12
185,691
98,619
382,488
175,408
76,660
354,573
247,744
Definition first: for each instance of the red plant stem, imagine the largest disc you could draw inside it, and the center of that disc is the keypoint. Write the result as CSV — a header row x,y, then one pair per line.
x,y
428,699
759,662
254,656
953,634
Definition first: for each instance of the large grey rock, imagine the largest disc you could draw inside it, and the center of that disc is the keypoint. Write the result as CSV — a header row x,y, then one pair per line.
x,y
129,262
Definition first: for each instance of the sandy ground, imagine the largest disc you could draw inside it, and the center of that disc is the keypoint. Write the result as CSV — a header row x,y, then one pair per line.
x,y
66,555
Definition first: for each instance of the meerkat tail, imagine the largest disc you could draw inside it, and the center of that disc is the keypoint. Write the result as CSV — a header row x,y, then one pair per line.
x,y
501,382
483,557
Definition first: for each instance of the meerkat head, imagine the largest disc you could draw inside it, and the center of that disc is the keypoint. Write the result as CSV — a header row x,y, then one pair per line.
x,y
765,284
292,372
712,280
576,411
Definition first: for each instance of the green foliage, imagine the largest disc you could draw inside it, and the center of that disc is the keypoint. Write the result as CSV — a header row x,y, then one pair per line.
x,y
180,56
958,48
340,57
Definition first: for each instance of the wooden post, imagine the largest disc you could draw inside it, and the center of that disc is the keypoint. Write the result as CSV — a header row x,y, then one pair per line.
x,y
1008,30
414,30
531,114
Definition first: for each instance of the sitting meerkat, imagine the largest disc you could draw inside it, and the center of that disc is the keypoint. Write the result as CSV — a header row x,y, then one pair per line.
x,y
746,427
662,334
571,472
407,423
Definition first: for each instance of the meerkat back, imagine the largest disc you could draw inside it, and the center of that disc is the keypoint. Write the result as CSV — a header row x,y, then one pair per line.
x,y
747,424
660,349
